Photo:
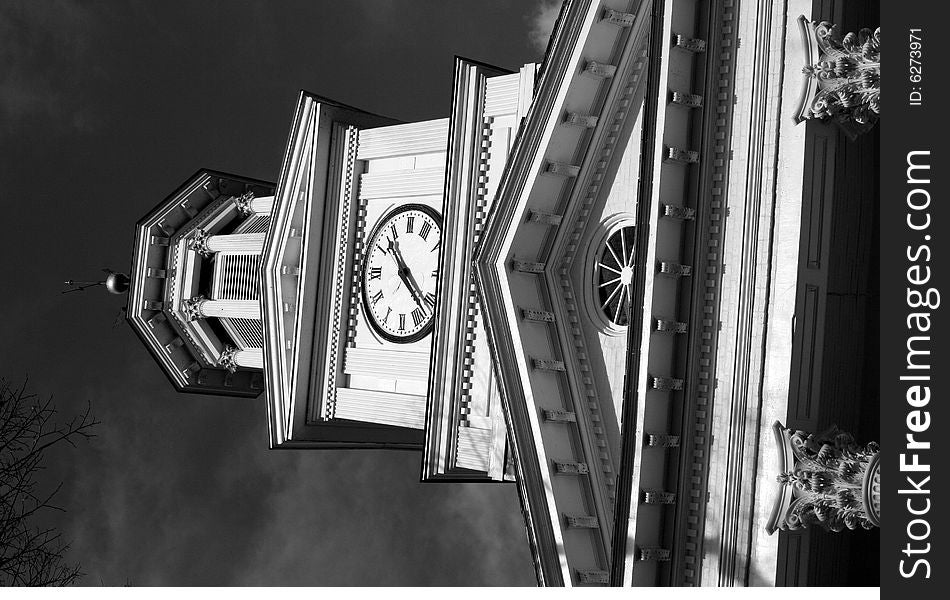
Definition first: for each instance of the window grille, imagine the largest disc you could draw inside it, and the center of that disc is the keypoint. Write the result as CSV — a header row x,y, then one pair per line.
x,y
246,333
237,277
254,224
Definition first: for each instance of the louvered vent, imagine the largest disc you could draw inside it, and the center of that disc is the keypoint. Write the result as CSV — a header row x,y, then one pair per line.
x,y
237,277
247,333
254,224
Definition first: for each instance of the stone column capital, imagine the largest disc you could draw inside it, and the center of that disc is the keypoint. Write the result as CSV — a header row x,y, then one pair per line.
x,y
825,479
192,308
243,203
199,243
227,359
843,76
234,358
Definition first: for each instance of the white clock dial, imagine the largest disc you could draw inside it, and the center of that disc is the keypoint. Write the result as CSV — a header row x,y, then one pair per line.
x,y
400,272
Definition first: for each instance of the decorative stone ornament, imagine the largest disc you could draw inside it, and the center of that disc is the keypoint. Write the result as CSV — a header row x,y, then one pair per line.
x,y
825,480
227,360
243,203
843,76
199,243
192,308
663,440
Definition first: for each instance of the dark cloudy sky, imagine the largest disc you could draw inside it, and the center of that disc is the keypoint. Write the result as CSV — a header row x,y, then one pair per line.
x,y
105,108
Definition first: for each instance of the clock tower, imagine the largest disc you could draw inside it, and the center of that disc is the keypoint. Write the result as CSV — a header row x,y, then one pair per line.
x,y
533,288
370,305
345,291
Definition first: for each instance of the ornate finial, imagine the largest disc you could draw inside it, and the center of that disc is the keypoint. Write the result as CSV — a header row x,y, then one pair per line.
x,y
115,283
199,243
192,308
243,203
227,358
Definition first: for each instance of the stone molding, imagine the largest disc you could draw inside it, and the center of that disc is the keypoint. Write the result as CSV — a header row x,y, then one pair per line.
x,y
346,206
709,217
534,150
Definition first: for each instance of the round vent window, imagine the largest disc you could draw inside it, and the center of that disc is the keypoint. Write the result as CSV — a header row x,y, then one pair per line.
x,y
613,274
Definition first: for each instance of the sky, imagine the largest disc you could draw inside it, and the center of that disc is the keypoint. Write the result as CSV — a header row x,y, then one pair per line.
x,y
105,109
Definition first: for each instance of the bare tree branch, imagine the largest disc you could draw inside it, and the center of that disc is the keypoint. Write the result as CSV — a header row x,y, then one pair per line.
x,y
29,555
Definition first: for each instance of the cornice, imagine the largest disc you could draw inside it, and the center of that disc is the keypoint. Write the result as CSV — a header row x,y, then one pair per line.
x,y
620,105
276,364
567,65
704,316
174,292
454,330
306,286
657,392
491,257
632,428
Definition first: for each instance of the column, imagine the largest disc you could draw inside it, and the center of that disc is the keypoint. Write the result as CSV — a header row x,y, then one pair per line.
x,y
233,358
235,243
249,205
200,307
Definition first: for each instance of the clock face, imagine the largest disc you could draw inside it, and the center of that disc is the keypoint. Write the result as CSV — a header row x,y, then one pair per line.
x,y
400,272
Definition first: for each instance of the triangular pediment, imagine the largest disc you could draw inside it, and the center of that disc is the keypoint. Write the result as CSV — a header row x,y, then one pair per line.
x,y
557,177
306,274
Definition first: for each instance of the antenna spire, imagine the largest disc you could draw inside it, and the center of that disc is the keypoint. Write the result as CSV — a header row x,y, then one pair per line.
x,y
115,283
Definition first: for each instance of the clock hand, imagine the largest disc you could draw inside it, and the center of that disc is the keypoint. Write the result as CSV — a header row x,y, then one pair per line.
x,y
405,273
414,289
393,248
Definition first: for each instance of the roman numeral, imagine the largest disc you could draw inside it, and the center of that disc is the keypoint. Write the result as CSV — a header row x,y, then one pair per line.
x,y
377,297
435,272
424,231
429,299
409,222
375,273
437,244
417,317
388,312
392,227
402,321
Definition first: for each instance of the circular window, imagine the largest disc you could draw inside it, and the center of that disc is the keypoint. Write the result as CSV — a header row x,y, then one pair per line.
x,y
613,274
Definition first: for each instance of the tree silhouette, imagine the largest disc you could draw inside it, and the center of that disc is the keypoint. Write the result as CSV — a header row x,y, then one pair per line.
x,y
32,555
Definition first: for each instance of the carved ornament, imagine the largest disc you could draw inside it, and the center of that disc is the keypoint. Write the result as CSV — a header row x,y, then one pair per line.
x,y
826,480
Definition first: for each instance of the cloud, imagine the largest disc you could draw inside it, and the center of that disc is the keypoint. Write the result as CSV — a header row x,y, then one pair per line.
x,y
43,47
541,23
182,490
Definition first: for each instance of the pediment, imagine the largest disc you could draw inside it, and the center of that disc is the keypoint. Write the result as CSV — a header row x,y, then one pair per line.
x,y
306,271
593,439
557,181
